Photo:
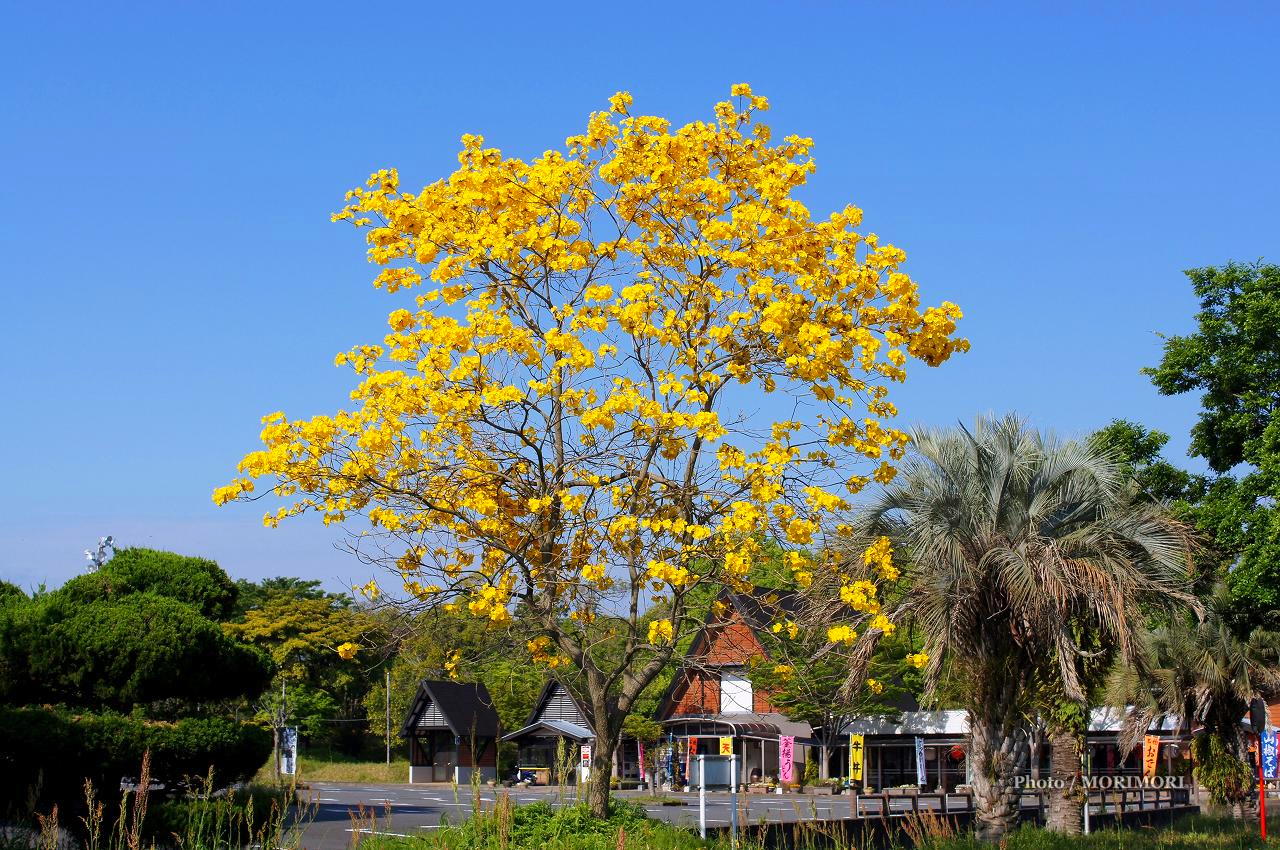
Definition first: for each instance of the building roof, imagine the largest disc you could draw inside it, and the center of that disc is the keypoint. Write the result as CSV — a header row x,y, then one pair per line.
x,y
754,612
1107,719
556,702
553,729
464,709
954,722
764,726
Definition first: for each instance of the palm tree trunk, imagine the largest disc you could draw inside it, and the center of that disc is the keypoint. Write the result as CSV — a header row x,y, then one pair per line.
x,y
1066,794
994,753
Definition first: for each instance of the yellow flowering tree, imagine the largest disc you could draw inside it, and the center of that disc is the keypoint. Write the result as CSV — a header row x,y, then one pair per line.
x,y
561,430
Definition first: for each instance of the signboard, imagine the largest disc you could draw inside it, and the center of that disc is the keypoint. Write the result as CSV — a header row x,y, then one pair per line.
x,y
1269,755
289,750
855,758
640,758
786,757
726,746
690,757
1150,754
921,777
586,755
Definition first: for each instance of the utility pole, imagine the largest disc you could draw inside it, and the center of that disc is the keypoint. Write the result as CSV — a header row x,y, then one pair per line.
x,y
388,717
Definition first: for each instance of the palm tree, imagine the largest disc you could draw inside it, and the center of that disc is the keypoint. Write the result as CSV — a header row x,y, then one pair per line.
x,y
1201,671
1030,557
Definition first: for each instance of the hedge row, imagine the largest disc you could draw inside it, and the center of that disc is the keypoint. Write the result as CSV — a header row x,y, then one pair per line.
x,y
55,751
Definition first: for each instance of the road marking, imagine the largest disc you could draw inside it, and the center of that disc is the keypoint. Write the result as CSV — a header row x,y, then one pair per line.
x,y
367,831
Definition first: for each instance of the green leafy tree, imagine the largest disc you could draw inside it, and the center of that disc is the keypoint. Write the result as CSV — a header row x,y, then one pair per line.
x,y
301,628
136,650
123,661
1233,359
198,582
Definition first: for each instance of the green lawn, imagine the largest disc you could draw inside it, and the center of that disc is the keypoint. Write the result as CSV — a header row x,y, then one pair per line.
x,y
335,768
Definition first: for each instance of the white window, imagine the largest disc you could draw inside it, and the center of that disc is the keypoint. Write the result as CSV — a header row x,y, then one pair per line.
x,y
735,694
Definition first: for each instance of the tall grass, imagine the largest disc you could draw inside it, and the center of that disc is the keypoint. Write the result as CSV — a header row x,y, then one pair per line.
x,y
204,819
539,826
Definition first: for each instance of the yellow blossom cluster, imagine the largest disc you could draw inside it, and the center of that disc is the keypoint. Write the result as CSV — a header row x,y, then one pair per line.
x,y
879,556
540,649
551,415
348,650
841,634
860,596
918,659
661,632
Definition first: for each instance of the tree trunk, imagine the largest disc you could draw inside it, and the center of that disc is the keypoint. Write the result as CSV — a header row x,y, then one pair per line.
x,y
1067,795
1036,750
994,753
824,761
602,754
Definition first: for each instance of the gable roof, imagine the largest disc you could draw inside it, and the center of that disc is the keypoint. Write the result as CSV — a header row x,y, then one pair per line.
x,y
754,612
557,704
464,709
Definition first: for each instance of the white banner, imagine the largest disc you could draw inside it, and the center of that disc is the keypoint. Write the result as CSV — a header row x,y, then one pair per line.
x,y
921,777
289,750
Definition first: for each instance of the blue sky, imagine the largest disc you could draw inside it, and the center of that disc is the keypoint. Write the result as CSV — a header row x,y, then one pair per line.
x,y
170,273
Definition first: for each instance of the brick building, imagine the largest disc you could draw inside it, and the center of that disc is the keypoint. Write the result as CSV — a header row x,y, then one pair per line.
x,y
712,698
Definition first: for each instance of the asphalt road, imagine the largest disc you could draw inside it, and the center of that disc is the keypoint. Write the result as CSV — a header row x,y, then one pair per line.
x,y
341,810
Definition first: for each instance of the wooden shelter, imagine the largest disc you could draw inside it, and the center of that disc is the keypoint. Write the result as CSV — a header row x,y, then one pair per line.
x,y
452,730
553,738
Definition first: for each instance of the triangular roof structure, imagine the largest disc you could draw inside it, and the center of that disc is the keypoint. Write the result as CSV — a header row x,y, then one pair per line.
x,y
754,612
557,703
464,709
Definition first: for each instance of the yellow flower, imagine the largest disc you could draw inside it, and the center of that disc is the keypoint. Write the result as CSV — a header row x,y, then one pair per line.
x,y
347,651
875,686
918,659
841,634
881,622
660,632
620,101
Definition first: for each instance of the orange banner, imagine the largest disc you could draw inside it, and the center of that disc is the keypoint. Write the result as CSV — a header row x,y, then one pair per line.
x,y
1150,755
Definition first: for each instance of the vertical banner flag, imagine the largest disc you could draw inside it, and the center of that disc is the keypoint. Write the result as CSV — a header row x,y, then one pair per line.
x,y
690,758
726,746
855,758
1150,754
640,759
289,750
786,757
921,778
1270,769
586,755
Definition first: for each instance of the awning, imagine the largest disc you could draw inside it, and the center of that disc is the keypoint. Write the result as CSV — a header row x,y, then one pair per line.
x,y
553,729
764,727
911,723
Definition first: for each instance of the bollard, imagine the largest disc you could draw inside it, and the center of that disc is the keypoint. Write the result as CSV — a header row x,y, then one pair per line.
x,y
733,800
702,799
